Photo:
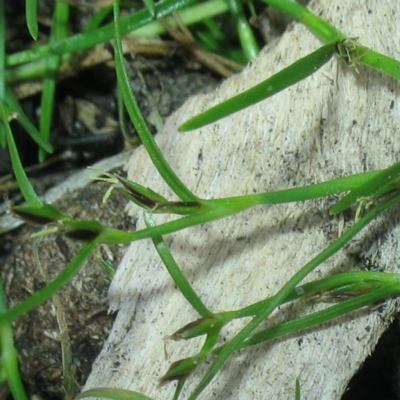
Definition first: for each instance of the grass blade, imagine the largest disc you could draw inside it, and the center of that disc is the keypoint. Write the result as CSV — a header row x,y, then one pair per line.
x,y
139,122
281,295
112,394
25,186
31,18
2,70
44,294
22,118
9,355
59,31
289,76
176,274
320,28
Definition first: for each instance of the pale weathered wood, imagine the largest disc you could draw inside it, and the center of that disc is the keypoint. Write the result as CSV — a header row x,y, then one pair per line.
x,y
336,122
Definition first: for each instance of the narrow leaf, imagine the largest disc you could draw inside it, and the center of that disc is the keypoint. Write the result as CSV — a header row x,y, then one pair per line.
x,y
31,18
295,73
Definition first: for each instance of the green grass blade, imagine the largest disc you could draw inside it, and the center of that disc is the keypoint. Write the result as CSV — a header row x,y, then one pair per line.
x,y
322,316
37,66
9,355
31,18
151,8
22,118
289,76
112,394
378,61
140,22
2,70
320,28
282,294
328,33
23,182
139,122
245,33
58,32
44,294
297,390
98,18
176,274
368,188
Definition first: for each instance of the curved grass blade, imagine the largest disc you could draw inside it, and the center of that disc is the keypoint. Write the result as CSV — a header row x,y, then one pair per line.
x,y
151,8
22,118
112,394
25,186
2,73
360,54
59,31
320,28
289,76
139,122
9,356
328,33
31,18
282,294
44,294
245,33
176,274
319,317
138,22
366,189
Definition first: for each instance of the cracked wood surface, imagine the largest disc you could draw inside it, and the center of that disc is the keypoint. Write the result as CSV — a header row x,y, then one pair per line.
x,y
333,123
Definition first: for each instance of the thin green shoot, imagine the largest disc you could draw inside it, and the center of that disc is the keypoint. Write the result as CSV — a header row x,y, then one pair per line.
x,y
59,31
9,355
149,4
320,317
96,21
297,390
25,186
320,28
23,119
51,288
112,394
245,32
355,52
140,124
368,189
140,19
289,286
289,76
176,274
2,70
31,18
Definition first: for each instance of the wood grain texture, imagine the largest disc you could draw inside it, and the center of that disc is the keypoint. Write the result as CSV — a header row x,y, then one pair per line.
x,y
335,123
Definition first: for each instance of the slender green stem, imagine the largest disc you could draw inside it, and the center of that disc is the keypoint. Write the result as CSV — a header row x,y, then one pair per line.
x,y
144,133
9,355
289,76
59,31
25,186
31,18
320,317
36,66
360,278
176,274
129,24
221,208
285,291
22,118
246,35
112,394
320,28
44,294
